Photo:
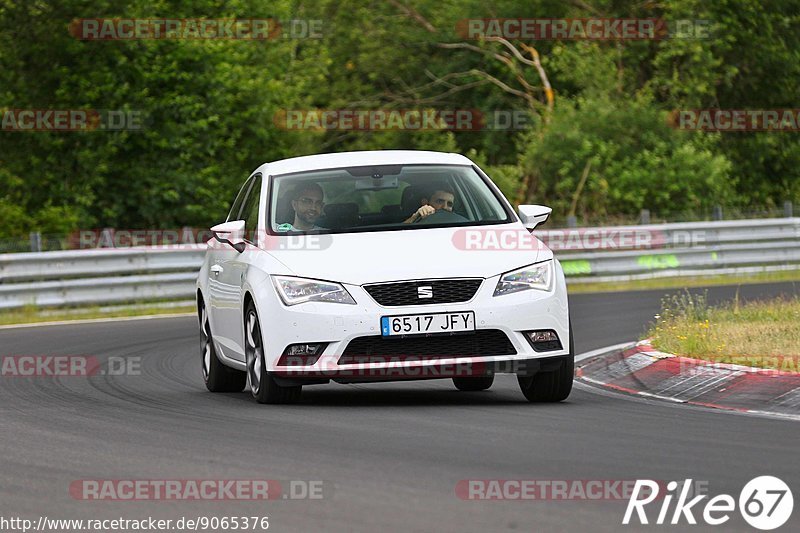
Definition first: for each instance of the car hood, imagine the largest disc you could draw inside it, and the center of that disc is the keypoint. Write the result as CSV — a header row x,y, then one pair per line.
x,y
359,258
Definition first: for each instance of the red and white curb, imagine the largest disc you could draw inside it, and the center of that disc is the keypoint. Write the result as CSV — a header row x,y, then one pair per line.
x,y
639,369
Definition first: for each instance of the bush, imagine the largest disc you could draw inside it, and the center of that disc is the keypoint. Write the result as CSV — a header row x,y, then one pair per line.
x,y
635,160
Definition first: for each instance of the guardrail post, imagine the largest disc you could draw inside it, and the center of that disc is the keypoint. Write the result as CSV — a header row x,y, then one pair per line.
x,y
787,209
36,241
717,213
645,217
572,221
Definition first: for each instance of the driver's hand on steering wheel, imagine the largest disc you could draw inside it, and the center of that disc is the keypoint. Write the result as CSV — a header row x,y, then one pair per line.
x,y
422,212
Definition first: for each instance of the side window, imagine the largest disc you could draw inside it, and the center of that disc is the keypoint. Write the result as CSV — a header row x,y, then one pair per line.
x,y
237,204
250,209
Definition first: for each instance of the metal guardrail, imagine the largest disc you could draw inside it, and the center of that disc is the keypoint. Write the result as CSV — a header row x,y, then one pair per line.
x,y
108,276
98,262
99,290
635,252
100,276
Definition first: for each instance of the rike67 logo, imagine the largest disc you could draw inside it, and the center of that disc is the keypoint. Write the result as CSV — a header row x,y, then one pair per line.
x,y
765,503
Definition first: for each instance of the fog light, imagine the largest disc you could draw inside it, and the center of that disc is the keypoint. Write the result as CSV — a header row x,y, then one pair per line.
x,y
543,340
302,349
542,335
305,354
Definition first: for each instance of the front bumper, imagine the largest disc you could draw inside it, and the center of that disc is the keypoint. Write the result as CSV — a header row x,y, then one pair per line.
x,y
339,324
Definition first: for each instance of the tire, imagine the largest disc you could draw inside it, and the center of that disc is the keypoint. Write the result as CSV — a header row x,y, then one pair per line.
x,y
217,377
473,384
552,386
260,382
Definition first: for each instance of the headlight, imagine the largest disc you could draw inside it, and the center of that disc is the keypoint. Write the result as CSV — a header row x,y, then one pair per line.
x,y
295,291
538,276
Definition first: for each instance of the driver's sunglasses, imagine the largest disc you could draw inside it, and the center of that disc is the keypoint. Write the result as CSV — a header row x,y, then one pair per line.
x,y
308,202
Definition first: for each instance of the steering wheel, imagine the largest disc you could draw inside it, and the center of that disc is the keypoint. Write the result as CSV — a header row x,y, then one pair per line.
x,y
441,216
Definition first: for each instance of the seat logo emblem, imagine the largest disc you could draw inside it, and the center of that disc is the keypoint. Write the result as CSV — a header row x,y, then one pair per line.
x,y
425,291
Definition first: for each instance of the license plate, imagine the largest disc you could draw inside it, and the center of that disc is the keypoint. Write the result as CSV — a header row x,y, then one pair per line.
x,y
427,324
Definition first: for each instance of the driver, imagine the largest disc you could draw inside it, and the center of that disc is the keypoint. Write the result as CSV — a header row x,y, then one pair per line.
x,y
440,196
307,203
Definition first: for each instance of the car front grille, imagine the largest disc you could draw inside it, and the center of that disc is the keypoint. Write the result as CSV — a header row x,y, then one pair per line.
x,y
441,291
378,349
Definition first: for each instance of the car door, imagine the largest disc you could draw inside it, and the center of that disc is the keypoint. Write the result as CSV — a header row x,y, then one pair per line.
x,y
224,287
232,269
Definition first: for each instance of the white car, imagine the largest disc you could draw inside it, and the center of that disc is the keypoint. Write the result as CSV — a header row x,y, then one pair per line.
x,y
380,266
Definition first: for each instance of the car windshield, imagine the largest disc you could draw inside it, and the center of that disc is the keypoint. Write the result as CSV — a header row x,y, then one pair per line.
x,y
380,198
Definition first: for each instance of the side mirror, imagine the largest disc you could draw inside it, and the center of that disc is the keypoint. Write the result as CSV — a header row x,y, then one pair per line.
x,y
231,233
533,215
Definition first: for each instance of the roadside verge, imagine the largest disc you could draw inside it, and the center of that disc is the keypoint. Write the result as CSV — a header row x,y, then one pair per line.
x,y
639,369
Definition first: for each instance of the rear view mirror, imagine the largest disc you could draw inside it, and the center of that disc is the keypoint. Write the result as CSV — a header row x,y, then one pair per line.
x,y
533,215
231,233
374,184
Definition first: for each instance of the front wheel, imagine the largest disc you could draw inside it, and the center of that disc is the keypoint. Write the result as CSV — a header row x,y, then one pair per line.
x,y
260,382
554,385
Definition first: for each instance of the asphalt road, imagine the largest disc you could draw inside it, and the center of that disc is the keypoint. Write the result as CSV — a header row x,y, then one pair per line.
x,y
390,455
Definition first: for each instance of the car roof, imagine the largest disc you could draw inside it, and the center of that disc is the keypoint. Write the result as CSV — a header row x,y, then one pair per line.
x,y
365,158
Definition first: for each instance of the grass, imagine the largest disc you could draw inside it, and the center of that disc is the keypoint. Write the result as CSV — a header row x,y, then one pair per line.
x,y
763,334
33,314
684,282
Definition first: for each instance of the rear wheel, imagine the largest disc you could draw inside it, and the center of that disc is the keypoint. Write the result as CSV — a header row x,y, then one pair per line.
x,y
551,386
260,382
217,377
473,384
